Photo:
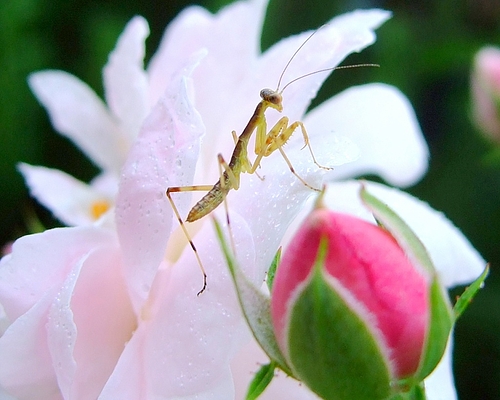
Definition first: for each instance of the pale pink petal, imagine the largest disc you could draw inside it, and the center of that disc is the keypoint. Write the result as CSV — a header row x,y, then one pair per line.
x,y
4,321
32,269
223,78
89,323
25,370
184,342
380,120
164,154
76,112
69,199
128,378
63,290
454,257
125,82
5,396
232,36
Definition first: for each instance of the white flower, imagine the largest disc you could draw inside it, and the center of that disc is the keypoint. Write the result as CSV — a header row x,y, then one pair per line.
x,y
125,292
104,132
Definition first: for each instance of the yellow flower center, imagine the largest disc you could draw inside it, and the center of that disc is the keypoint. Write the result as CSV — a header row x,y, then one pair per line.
x,y
98,208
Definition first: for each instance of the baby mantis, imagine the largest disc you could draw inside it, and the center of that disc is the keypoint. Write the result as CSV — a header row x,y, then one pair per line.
x,y
266,143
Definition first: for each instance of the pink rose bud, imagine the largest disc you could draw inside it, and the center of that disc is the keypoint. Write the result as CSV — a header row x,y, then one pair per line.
x,y
350,311
485,86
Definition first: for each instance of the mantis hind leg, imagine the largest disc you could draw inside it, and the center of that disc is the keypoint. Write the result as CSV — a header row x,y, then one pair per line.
x,y
233,182
194,188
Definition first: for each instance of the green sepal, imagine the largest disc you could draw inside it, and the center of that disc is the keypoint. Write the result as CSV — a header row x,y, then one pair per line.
x,y
465,299
330,347
441,323
256,307
441,315
261,381
271,272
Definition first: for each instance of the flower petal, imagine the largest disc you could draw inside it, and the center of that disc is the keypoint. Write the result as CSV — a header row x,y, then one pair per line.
x,y
4,321
221,80
25,355
69,199
379,119
164,154
5,396
125,82
454,257
32,269
77,113
198,334
89,323
30,279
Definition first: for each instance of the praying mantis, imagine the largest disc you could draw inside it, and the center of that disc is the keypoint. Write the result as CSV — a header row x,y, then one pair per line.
x,y
266,143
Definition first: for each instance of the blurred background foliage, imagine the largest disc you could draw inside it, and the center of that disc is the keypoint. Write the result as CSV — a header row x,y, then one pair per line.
x,y
426,50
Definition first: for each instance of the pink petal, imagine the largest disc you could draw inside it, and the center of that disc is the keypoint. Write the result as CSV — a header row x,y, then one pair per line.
x,y
164,154
69,199
76,112
453,255
126,83
379,119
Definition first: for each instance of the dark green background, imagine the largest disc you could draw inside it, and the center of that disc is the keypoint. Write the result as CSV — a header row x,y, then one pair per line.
x,y
426,50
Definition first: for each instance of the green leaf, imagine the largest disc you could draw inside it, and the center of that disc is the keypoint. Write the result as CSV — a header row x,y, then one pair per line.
x,y
272,270
261,381
465,299
330,347
256,307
